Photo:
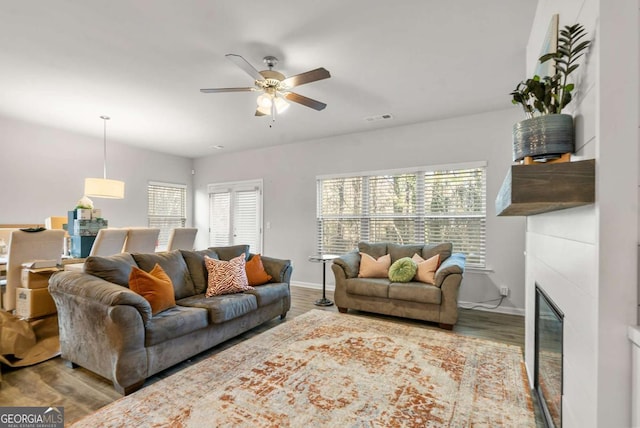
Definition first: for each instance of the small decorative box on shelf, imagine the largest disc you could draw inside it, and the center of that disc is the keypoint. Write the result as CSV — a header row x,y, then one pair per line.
x,y
536,189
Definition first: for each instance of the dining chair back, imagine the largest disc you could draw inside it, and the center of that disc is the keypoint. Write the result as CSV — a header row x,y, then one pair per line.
x,y
109,242
141,240
25,247
182,238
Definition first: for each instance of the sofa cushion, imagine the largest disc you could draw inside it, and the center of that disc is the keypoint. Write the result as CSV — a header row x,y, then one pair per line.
x,y
222,308
155,286
374,250
232,251
256,275
372,287
431,250
226,277
426,271
398,251
415,292
114,268
197,269
175,267
372,268
174,322
269,293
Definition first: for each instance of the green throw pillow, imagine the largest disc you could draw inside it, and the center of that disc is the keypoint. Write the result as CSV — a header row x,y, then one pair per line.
x,y
403,270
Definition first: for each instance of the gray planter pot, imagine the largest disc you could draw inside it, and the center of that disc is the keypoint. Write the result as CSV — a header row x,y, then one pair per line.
x,y
543,137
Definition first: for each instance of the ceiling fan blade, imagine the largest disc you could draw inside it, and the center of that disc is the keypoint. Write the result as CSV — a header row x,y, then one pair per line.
x,y
300,99
244,64
308,77
215,90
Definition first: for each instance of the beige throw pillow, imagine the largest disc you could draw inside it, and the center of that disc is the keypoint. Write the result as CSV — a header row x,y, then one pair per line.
x,y
426,268
372,268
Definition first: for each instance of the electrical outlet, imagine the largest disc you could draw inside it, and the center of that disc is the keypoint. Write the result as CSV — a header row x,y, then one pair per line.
x,y
504,291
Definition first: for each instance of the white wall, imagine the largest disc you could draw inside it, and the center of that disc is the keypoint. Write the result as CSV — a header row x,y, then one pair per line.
x,y
42,171
585,258
290,171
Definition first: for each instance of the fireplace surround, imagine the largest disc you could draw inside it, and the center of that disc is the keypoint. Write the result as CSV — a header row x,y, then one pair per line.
x,y
548,374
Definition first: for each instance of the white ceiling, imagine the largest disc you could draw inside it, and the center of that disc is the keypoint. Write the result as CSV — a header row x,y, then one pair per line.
x,y
63,63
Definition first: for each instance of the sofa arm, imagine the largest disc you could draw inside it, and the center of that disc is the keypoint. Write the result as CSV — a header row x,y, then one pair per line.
x,y
93,288
349,263
453,264
279,269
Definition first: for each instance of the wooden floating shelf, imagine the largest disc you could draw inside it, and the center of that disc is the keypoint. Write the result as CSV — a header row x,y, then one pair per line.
x,y
536,189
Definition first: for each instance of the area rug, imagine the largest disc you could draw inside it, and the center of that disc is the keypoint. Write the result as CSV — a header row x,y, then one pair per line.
x,y
328,369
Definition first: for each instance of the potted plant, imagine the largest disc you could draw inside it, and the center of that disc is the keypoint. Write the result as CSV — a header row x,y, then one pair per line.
x,y
547,132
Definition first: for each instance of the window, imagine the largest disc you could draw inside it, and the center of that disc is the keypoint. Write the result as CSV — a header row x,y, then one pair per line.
x,y
235,214
167,208
441,204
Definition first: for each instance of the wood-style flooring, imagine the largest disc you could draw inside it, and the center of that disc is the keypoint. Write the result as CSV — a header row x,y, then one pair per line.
x,y
81,392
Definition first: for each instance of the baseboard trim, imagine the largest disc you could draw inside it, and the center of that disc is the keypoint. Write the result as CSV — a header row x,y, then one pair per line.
x,y
313,285
499,309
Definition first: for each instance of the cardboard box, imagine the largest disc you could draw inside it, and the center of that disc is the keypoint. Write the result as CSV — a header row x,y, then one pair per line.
x,y
34,303
83,214
37,278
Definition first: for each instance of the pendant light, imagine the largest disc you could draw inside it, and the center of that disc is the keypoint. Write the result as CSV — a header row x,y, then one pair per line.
x,y
103,187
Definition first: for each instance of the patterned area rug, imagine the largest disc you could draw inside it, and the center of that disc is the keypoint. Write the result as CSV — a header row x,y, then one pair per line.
x,y
338,370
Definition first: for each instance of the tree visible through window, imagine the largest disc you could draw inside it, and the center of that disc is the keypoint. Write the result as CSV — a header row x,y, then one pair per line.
x,y
167,208
424,206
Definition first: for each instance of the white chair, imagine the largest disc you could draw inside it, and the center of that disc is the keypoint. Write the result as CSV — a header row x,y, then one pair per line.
x,y
26,247
109,242
141,240
182,238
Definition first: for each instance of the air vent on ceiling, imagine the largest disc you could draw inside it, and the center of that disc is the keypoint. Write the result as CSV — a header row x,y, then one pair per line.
x,y
387,116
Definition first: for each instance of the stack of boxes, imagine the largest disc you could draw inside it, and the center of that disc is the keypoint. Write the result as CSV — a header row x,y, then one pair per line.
x,y
83,226
33,299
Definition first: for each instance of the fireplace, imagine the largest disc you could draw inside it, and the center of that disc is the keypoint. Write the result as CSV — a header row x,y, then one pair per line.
x,y
548,358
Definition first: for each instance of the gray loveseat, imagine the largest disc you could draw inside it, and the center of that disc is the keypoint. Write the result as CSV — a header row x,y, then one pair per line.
x,y
416,300
109,329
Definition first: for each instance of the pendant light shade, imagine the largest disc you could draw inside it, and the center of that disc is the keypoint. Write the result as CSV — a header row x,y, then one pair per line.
x,y
103,187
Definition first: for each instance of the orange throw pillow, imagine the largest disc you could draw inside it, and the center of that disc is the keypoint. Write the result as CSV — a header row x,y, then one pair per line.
x,y
426,268
255,271
155,286
372,268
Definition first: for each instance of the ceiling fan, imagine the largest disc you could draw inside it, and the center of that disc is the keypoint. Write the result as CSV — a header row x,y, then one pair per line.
x,y
275,87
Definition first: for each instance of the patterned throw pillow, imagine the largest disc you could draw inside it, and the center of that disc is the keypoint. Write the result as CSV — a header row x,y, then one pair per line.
x,y
403,270
372,268
427,268
226,277
155,286
256,275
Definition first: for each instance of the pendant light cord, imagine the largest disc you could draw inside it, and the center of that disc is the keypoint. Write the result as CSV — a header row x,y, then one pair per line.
x,y
105,118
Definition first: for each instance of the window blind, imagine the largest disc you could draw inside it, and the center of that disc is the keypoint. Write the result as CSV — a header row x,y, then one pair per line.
x,y
167,208
444,205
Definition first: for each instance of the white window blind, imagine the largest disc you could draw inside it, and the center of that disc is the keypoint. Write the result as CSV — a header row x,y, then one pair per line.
x,y
235,211
432,206
167,208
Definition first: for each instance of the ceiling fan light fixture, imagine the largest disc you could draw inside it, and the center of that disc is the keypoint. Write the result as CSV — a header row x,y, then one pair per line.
x,y
265,101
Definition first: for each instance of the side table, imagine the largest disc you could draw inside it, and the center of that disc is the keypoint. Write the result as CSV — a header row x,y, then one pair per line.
x,y
324,259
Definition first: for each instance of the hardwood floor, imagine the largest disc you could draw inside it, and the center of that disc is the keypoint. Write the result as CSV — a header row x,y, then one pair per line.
x,y
81,392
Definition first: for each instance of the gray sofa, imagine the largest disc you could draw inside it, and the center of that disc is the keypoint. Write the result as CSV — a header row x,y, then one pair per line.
x,y
416,300
109,329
